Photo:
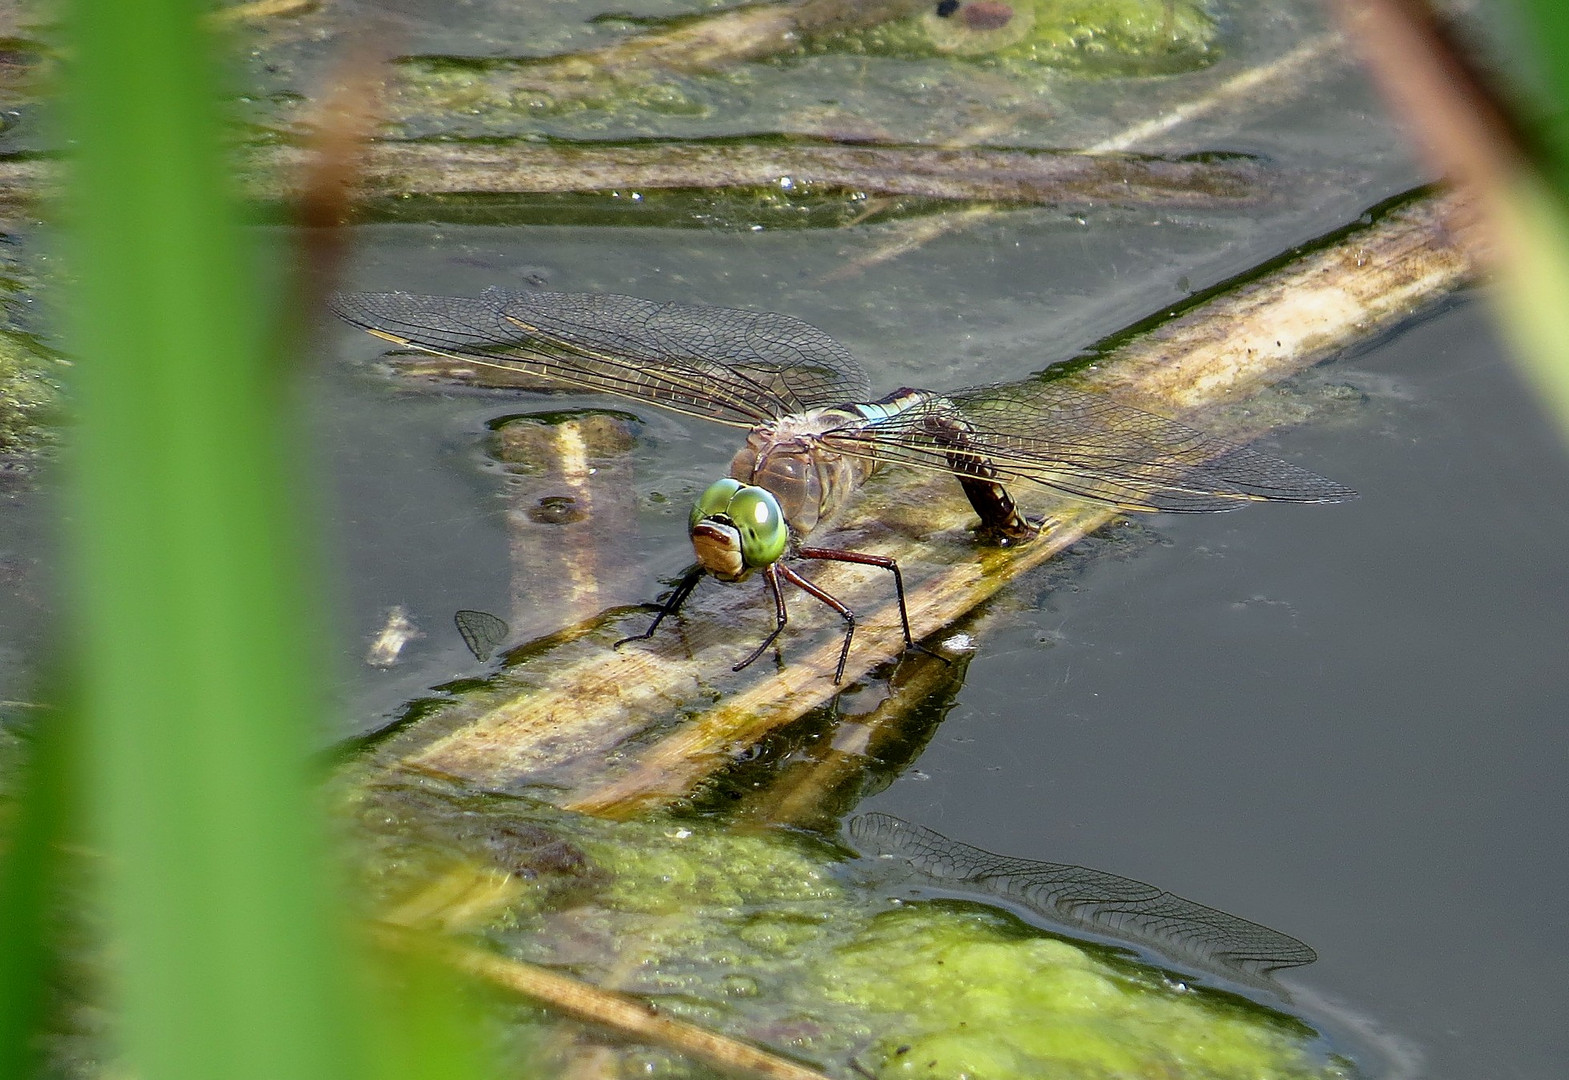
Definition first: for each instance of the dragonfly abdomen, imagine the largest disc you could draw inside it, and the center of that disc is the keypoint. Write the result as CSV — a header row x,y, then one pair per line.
x,y
944,425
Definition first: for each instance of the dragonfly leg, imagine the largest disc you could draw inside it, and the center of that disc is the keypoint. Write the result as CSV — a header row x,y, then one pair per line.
x,y
832,601
865,559
683,589
770,575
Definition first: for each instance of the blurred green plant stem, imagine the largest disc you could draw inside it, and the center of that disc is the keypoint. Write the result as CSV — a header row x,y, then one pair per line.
x,y
1532,297
1511,161
193,610
1535,299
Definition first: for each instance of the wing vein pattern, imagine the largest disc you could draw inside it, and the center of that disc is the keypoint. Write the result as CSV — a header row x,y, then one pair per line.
x,y
1090,899
735,367
749,368
1085,445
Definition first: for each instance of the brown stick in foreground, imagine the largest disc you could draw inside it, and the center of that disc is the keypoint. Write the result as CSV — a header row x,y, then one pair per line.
x,y
627,1016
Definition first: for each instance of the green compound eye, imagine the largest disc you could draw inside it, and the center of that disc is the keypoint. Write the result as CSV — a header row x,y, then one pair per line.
x,y
753,513
714,501
757,517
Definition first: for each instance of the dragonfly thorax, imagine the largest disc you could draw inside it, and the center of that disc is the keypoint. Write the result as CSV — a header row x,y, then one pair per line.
x,y
788,459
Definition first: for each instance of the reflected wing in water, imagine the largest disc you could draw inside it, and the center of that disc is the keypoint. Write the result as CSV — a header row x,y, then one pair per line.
x,y
481,631
1085,445
736,367
1077,896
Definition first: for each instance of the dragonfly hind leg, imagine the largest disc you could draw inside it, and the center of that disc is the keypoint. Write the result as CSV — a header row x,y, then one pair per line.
x,y
863,559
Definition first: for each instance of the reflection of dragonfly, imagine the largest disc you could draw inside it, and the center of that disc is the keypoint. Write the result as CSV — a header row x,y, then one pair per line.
x,y
1093,900
813,435
481,631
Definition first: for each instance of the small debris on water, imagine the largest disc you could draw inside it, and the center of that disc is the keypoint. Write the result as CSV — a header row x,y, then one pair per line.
x,y
481,631
987,15
557,510
397,630
959,643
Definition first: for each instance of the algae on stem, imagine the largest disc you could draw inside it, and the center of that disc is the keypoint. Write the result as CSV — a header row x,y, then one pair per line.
x,y
29,398
685,66
1097,37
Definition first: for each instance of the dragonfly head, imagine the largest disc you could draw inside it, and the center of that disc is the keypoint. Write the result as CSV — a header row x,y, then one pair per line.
x,y
736,529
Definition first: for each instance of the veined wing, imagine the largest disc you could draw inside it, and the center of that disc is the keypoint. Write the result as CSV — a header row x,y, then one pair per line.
x,y
736,367
1085,445
1094,900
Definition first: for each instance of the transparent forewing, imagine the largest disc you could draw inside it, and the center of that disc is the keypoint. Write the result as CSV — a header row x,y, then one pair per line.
x,y
1085,445
481,631
737,367
1094,900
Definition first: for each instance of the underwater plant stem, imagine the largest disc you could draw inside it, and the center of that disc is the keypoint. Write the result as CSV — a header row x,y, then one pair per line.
x,y
1280,78
625,1015
1293,69
801,169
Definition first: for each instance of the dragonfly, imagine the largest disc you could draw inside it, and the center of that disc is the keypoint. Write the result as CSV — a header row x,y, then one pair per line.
x,y
815,434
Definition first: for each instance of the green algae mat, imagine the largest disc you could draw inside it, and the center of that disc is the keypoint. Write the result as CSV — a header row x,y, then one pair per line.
x,y
786,940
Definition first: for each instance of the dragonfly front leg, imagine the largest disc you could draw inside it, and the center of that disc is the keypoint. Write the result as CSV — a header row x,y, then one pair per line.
x,y
683,589
771,574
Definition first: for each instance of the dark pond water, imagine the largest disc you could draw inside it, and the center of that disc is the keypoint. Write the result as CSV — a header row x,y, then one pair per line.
x,y
1347,723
